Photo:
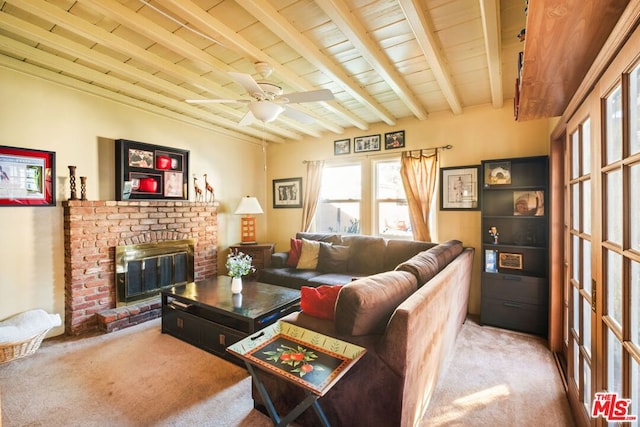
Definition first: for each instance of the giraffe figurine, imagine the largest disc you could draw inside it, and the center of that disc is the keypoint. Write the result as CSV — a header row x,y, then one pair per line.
x,y
197,189
209,190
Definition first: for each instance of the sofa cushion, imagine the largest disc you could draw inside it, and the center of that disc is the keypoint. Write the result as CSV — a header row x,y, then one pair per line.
x,y
289,277
308,255
398,251
294,252
365,305
427,264
331,279
335,239
366,254
333,258
319,302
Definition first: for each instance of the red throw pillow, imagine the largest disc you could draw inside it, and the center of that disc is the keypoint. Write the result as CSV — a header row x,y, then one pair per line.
x,y
319,302
294,252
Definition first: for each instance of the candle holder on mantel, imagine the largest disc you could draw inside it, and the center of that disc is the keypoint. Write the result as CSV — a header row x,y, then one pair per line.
x,y
72,182
83,188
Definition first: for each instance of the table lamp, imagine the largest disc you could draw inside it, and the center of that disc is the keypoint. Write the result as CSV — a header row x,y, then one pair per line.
x,y
248,207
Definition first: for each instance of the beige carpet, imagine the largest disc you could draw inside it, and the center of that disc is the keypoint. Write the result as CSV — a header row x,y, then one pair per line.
x,y
499,377
140,377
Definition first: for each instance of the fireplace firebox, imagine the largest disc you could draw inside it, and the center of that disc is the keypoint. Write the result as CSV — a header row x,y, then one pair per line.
x,y
143,270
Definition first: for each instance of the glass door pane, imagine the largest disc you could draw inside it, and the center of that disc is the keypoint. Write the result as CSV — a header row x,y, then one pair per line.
x,y
634,206
634,111
613,143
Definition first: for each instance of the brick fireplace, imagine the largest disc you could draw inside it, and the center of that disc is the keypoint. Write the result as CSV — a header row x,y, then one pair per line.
x,y
93,229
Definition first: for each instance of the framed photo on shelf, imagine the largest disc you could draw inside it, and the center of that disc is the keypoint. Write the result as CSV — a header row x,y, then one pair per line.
x,y
341,146
459,188
287,193
27,177
510,260
366,143
146,171
394,140
490,261
497,173
528,203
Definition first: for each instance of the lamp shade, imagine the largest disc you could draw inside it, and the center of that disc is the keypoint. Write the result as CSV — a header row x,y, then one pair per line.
x,y
265,111
248,206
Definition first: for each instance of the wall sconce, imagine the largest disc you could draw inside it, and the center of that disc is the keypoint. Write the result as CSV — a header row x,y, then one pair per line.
x,y
248,207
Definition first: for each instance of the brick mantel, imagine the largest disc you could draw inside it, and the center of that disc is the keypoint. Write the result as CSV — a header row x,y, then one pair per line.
x,y
92,230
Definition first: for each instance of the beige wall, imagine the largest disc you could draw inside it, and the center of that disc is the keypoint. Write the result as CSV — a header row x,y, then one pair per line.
x,y
81,128
479,133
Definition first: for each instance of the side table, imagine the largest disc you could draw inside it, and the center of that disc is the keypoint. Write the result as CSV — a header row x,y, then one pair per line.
x,y
261,254
312,361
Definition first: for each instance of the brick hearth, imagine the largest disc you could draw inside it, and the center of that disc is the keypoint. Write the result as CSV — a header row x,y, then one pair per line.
x,y
92,230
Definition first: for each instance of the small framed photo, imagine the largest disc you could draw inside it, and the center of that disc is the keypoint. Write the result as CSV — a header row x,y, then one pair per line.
x,y
394,140
173,184
366,143
287,193
497,173
341,146
140,158
510,260
459,188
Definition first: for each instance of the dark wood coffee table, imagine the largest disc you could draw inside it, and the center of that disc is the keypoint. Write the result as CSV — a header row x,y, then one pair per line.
x,y
207,315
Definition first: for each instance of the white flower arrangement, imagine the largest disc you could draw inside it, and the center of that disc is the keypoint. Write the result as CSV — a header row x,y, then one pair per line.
x,y
239,264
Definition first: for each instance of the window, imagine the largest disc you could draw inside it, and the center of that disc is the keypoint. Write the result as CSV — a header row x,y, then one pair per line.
x,y
340,198
391,209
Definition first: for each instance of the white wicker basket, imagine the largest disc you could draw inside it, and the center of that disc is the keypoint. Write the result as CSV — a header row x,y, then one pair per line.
x,y
15,350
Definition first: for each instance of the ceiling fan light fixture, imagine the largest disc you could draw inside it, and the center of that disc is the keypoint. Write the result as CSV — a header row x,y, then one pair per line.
x,y
265,111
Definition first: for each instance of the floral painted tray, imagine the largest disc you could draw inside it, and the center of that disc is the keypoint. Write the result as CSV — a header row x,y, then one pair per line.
x,y
310,359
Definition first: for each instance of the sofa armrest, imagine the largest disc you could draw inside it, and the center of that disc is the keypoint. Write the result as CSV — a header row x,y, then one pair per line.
x,y
279,259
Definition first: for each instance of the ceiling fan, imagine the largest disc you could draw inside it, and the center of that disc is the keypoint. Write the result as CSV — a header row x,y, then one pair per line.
x,y
268,100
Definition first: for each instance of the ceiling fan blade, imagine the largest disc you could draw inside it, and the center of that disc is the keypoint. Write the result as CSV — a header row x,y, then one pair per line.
x,y
246,81
310,96
247,119
217,101
298,115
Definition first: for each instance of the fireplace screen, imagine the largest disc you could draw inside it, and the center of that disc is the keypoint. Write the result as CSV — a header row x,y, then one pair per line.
x,y
143,270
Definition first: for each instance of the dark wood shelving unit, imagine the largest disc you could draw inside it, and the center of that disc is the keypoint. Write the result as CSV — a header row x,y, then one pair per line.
x,y
515,289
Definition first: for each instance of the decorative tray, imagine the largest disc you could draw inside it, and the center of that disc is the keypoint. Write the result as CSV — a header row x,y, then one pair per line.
x,y
310,359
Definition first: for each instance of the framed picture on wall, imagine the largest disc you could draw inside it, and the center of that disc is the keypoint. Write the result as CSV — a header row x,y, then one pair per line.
x,y
27,177
287,193
459,188
394,140
366,143
342,146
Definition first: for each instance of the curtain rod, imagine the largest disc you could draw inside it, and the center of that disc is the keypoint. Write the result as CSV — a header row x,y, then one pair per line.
x,y
442,147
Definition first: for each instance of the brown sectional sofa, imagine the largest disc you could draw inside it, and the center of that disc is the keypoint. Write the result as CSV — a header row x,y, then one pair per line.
x,y
365,255
408,320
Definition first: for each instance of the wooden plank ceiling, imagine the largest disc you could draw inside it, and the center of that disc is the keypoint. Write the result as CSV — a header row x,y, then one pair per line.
x,y
383,60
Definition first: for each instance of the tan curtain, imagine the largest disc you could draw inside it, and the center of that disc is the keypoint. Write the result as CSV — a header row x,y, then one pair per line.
x,y
311,192
419,171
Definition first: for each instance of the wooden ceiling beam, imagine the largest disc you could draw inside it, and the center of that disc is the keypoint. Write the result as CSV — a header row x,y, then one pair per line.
x,y
423,31
490,13
265,12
